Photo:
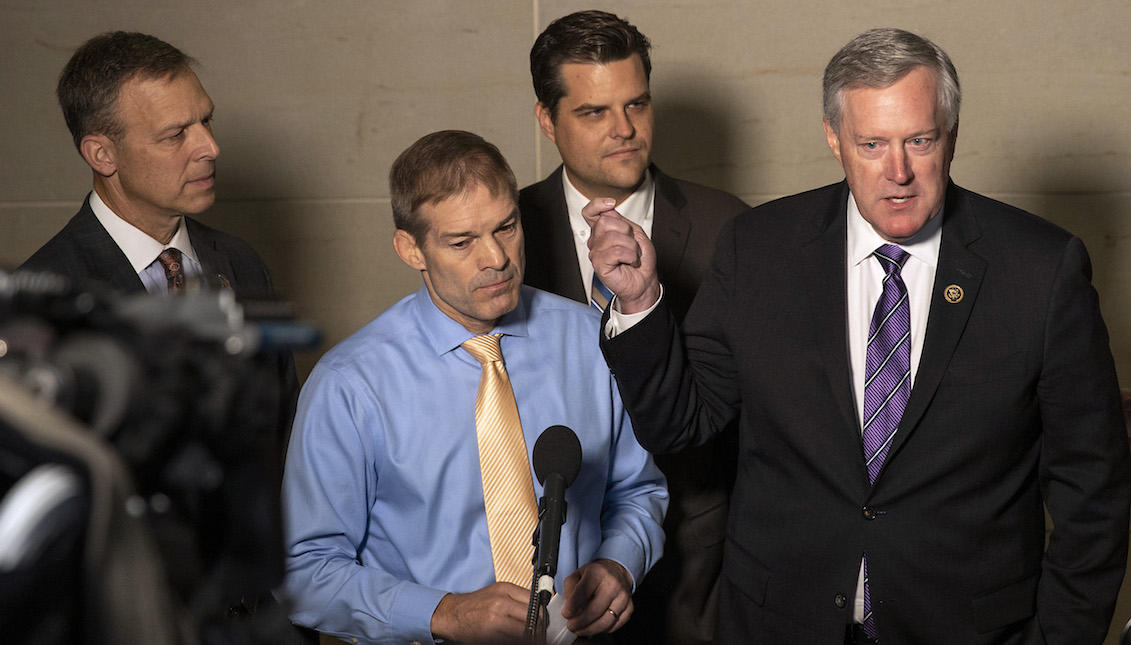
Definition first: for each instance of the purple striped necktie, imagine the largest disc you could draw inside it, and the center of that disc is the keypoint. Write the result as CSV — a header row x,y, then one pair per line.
x,y
887,378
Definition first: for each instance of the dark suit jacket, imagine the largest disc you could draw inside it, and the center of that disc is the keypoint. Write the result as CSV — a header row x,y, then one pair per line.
x,y
84,252
677,602
1014,408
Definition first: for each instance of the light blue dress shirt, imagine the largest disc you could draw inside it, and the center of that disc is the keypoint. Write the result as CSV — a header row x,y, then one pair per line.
x,y
382,495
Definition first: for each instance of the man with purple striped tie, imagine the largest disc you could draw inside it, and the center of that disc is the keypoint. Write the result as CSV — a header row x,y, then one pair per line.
x,y
919,372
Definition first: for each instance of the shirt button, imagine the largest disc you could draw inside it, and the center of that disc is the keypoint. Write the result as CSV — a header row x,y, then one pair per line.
x,y
840,600
869,513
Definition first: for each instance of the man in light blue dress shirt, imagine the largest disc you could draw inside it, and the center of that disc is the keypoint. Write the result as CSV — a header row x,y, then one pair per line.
x,y
387,538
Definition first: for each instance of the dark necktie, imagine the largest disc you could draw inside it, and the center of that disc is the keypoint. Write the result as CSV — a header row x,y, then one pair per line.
x,y
170,259
887,371
887,378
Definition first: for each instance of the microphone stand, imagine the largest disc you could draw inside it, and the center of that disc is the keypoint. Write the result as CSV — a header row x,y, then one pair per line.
x,y
537,615
557,459
545,561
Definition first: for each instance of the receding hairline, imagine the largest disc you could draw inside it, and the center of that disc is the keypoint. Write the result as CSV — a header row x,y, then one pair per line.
x,y
163,120
424,217
841,95
881,57
590,62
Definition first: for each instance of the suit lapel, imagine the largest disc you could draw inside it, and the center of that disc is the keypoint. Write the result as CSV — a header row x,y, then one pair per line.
x,y
820,262
104,261
551,254
215,267
671,227
960,267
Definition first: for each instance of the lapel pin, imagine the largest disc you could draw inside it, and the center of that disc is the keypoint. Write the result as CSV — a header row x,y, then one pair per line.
x,y
953,294
224,284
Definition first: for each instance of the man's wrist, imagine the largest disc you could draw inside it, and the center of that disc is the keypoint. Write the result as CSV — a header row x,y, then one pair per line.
x,y
644,302
622,322
619,572
440,626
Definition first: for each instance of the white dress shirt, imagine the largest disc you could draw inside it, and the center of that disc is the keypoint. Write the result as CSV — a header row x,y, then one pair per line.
x,y
142,250
865,276
639,207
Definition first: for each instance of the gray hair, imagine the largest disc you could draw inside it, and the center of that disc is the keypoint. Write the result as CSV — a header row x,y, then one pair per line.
x,y
878,58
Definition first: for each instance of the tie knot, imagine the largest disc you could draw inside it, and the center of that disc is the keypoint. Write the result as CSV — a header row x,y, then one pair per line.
x,y
484,348
170,258
891,257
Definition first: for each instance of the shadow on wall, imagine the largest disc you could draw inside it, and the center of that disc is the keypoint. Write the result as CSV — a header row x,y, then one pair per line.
x,y
330,256
696,131
1082,186
1082,191
252,203
251,206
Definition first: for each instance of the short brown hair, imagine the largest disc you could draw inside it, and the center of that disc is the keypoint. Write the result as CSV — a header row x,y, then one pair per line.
x,y
596,37
91,81
441,165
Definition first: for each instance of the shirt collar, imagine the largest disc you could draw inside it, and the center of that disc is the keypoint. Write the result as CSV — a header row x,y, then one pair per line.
x,y
140,249
863,240
445,334
634,208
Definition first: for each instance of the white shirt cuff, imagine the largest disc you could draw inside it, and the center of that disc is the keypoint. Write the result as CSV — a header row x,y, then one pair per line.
x,y
619,322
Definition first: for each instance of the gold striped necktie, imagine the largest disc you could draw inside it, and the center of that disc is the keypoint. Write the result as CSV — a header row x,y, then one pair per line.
x,y
508,490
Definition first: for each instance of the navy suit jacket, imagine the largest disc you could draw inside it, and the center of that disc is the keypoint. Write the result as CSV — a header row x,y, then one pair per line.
x,y
1015,408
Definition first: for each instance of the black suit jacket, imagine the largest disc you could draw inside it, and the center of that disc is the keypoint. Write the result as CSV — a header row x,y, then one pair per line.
x,y
84,252
677,602
1014,408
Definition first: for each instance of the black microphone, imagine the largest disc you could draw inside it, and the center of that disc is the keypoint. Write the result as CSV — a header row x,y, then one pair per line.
x,y
557,460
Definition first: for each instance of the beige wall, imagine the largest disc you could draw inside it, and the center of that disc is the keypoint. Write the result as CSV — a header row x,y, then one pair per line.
x,y
315,99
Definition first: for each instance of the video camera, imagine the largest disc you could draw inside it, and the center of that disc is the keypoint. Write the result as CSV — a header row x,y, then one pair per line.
x,y
140,457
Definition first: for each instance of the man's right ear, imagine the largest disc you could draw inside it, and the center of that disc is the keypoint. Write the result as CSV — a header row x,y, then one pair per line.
x,y
545,120
99,152
407,249
833,139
